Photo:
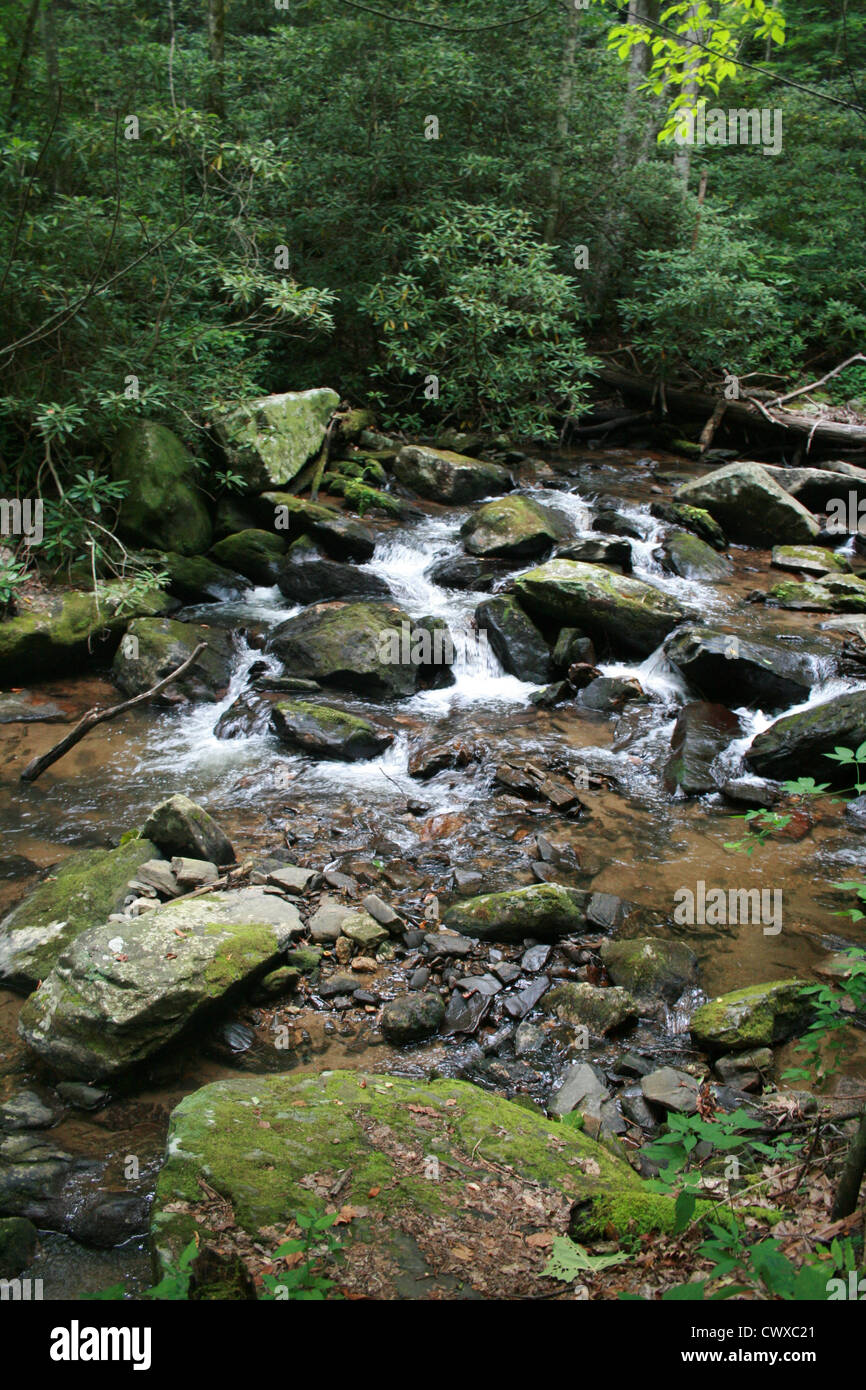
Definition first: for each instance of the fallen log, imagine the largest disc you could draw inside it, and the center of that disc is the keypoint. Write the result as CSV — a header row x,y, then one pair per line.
x,y
96,716
806,431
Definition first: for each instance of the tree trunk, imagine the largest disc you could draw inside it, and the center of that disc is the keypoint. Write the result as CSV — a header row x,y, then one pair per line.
x,y
21,66
683,156
216,33
848,1191
563,106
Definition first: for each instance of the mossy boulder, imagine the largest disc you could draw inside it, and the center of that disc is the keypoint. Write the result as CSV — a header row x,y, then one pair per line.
x,y
443,476
694,519
543,910
411,1017
797,745
118,994
195,579
306,576
349,646
600,1010
343,537
273,1146
324,732
57,632
154,647
162,507
626,614
757,1016
724,667
180,827
514,638
269,440
511,528
79,893
259,555
691,558
650,967
750,506
836,593
810,560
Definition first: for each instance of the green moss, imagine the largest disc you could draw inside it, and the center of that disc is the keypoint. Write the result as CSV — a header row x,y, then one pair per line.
x,y
757,1016
246,947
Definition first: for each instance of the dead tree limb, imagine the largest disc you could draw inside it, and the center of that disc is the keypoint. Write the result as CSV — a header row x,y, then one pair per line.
x,y
93,717
848,1191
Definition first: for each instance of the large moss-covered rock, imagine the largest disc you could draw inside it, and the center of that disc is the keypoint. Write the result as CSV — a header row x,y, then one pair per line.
x,y
269,440
511,528
56,632
514,638
80,893
443,476
273,1146
324,732
694,519
835,593
162,507
119,994
650,967
626,613
797,745
691,558
757,1016
543,910
180,827
583,1005
195,579
343,537
812,560
348,645
257,554
727,668
750,506
154,647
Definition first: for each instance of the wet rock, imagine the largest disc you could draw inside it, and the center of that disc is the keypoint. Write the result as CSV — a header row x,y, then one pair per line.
x,y
154,647
797,744
342,537
195,579
650,967
552,695
351,646
701,733
543,911
671,1090
339,984
443,476
600,1010
605,912
447,944
572,647
529,1040
431,759
420,978
731,671
193,873
536,784
231,1038
179,827
35,1176
632,1064
837,593
751,791
269,440
113,1001
757,1016
608,694
321,731
750,506
615,555
467,881
257,554
305,958
635,1108
609,521
105,1220
410,1017
21,708
278,982
514,528
81,1096
692,558
307,577
162,506
514,638
694,519
246,717
812,560
26,1110
535,959
18,1241
580,1086
468,572
382,912
520,1004
745,1070
506,972
291,879
81,892
465,1012
61,630
326,923
626,613
855,812
818,487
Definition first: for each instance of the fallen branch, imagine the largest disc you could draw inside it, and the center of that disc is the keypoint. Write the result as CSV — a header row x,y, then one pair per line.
x,y
848,1191
93,717
813,385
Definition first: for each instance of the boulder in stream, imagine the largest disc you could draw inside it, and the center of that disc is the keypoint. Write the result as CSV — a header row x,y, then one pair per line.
x,y
258,555
650,967
162,507
80,892
625,613
835,593
511,527
514,638
154,647
812,560
701,733
757,1016
750,506
543,910
443,476
118,995
590,1006
269,440
58,632
798,744
411,1017
342,537
321,731
363,646
691,558
181,828
307,576
726,668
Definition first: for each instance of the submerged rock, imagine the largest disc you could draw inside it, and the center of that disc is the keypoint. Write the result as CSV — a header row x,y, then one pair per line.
x,y
80,893
626,613
757,1016
324,732
797,745
443,476
180,827
600,1010
511,528
118,995
514,638
750,506
701,733
650,967
726,668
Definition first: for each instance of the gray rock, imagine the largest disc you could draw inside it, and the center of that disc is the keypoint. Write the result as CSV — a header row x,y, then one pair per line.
x,y
383,913
582,1083
443,476
411,1017
535,959
326,923
701,733
292,879
193,873
671,1089
529,1039
464,1013
26,1110
797,744
750,506
179,827
722,667
519,1005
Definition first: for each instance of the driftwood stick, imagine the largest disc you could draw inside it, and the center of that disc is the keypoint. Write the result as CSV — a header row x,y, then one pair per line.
x,y
97,716
709,430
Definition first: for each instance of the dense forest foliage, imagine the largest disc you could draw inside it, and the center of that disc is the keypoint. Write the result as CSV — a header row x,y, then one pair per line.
x,y
205,202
